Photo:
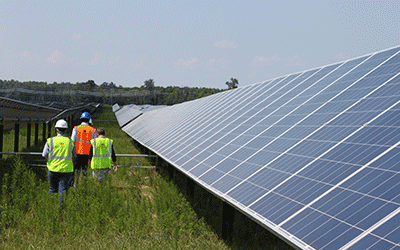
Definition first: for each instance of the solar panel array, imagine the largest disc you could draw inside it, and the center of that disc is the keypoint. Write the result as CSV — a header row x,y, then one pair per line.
x,y
313,156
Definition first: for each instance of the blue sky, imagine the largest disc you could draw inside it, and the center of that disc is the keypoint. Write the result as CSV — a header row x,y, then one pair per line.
x,y
186,43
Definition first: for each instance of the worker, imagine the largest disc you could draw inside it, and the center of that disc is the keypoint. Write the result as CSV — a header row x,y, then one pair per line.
x,y
58,152
82,135
101,156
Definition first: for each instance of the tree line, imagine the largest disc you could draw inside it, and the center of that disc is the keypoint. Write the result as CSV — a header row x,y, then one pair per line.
x,y
106,93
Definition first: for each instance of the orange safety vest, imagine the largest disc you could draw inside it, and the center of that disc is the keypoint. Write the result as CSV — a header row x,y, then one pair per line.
x,y
85,133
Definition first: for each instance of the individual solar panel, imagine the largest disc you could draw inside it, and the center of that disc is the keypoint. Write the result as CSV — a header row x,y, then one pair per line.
x,y
312,155
115,107
146,108
126,114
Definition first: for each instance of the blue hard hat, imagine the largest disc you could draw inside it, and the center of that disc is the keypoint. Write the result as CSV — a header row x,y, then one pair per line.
x,y
85,115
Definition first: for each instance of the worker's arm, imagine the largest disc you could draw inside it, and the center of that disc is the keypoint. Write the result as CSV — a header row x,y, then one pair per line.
x,y
45,152
74,134
90,155
114,158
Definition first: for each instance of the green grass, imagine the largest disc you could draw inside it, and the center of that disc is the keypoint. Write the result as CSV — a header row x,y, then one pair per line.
x,y
9,138
117,214
134,209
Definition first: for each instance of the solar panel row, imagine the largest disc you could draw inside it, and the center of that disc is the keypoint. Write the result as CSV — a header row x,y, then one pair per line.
x,y
11,109
312,155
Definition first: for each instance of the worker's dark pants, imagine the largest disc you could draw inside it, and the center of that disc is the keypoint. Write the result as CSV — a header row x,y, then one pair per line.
x,y
80,165
59,182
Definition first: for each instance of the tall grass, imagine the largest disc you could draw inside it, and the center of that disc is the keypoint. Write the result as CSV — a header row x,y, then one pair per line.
x,y
114,214
133,209
7,161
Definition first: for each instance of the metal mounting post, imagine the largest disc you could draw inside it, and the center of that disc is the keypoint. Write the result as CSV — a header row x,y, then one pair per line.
x,y
37,132
28,133
1,136
44,131
16,136
49,129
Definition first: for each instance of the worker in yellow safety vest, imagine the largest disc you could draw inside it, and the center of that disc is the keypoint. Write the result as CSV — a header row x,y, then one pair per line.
x,y
58,152
81,135
102,156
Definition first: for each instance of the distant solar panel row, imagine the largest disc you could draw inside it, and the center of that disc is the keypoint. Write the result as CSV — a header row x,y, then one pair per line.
x,y
115,107
126,114
313,155
13,109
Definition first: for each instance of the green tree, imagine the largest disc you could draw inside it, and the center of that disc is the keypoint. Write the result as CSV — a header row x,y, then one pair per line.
x,y
104,85
67,92
149,84
233,84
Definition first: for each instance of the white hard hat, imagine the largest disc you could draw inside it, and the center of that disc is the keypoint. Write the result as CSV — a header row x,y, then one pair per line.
x,y
61,124
90,121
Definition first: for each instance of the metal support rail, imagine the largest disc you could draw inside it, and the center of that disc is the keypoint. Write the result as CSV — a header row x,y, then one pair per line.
x,y
20,153
120,155
118,166
135,155
24,119
39,153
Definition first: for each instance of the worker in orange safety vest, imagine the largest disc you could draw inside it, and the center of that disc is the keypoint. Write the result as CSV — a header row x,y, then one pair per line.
x,y
81,135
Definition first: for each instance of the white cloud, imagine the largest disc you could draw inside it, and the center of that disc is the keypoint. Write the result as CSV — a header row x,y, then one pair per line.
x,y
96,59
268,60
140,63
291,60
341,56
225,44
185,65
137,65
28,56
56,57
215,64
76,37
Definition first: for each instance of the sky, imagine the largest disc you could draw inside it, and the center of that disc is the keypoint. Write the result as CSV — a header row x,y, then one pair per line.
x,y
190,43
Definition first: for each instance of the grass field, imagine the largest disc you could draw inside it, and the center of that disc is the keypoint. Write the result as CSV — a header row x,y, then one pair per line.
x,y
134,209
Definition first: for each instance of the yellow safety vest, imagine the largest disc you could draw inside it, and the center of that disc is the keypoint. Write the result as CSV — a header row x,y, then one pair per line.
x,y
59,158
102,149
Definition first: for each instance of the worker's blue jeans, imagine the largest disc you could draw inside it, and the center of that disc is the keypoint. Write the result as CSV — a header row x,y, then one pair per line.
x,y
100,174
59,182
